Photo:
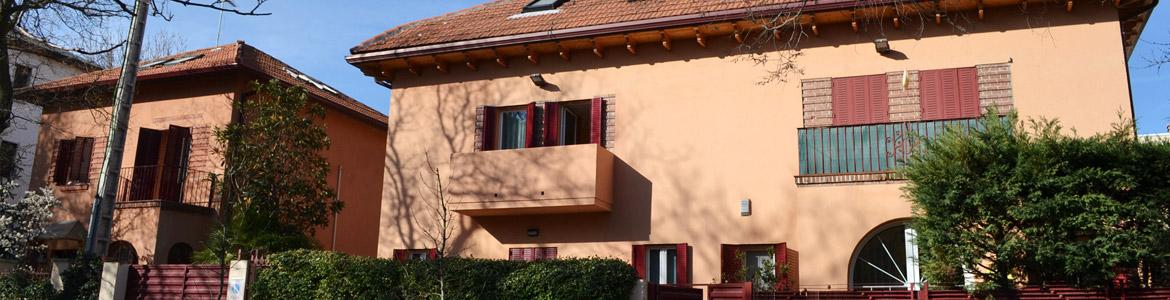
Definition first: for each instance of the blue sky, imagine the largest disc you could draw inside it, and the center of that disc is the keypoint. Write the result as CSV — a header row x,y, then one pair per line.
x,y
315,36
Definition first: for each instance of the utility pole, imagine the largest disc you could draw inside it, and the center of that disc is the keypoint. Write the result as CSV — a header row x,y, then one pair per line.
x,y
102,216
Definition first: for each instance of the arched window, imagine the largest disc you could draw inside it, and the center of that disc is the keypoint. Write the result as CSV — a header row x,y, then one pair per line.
x,y
123,252
180,254
886,259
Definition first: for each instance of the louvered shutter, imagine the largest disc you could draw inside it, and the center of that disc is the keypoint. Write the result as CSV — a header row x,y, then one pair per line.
x,y
550,253
84,157
488,138
841,101
949,89
530,126
968,84
638,259
597,107
877,99
552,124
400,254
64,160
516,254
930,94
781,260
432,254
681,264
729,262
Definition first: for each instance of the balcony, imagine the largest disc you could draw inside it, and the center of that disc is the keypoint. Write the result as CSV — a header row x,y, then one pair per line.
x,y
168,187
863,153
545,180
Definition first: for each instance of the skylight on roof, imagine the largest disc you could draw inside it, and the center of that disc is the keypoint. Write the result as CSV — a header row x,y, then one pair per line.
x,y
542,5
172,61
320,85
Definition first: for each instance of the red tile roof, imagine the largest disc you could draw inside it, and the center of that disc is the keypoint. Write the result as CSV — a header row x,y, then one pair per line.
x,y
236,55
498,18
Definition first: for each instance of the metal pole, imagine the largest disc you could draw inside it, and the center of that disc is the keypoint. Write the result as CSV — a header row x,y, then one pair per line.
x,y
102,216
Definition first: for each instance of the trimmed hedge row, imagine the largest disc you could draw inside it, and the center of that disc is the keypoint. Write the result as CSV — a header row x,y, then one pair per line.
x,y
306,274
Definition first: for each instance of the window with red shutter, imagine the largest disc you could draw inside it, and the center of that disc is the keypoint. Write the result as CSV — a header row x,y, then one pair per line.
x,y
415,254
72,161
532,253
663,264
860,100
949,93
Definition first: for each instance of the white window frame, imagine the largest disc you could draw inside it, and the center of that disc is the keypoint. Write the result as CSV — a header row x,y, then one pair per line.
x,y
663,264
500,126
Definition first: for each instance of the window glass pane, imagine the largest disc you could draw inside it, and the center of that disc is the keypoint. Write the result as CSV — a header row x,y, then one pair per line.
x,y
512,127
661,266
568,128
881,262
759,263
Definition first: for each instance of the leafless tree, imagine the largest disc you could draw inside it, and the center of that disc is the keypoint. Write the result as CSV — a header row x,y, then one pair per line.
x,y
77,25
442,229
159,44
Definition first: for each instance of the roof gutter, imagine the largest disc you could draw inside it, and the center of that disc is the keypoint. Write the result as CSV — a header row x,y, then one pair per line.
x,y
621,27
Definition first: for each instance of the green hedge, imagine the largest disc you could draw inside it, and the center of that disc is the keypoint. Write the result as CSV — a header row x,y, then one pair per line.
x,y
305,274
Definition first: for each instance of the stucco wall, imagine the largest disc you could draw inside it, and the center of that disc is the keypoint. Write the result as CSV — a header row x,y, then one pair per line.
x,y
696,134
355,152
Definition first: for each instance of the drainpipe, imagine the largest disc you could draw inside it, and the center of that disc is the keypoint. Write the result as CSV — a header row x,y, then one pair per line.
x,y
336,197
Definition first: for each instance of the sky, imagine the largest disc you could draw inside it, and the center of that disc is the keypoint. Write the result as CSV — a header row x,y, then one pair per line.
x,y
315,36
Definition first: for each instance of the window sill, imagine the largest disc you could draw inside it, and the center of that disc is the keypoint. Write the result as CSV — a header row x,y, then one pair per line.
x,y
76,187
848,178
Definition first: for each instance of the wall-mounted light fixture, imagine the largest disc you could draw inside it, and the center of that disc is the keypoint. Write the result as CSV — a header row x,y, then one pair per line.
x,y
533,232
882,45
745,207
538,80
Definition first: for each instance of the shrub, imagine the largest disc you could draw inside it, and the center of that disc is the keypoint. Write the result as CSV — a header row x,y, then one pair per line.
x,y
579,278
304,274
83,278
22,285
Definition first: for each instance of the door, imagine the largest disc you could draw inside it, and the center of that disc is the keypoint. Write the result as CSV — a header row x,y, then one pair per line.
x,y
144,176
174,163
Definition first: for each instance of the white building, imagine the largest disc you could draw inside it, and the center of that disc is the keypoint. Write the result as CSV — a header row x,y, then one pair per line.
x,y
33,62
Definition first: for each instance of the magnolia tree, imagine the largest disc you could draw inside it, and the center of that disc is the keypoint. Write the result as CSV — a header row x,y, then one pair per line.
x,y
23,219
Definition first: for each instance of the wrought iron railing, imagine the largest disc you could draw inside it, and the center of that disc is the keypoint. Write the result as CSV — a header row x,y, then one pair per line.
x,y
169,184
866,149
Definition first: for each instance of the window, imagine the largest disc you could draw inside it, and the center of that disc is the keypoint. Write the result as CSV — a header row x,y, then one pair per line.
x,y
123,252
662,267
532,253
662,264
767,265
415,254
949,93
533,125
21,76
513,128
72,163
887,258
543,5
860,100
8,159
180,253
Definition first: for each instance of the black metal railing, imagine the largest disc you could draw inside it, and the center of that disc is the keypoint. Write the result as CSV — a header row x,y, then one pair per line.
x,y
169,184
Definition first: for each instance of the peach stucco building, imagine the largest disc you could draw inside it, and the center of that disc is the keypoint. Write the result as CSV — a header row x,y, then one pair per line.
x,y
641,130
167,200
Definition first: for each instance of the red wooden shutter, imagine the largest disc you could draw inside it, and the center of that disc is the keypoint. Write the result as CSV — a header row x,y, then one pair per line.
x,y
85,153
530,126
595,119
949,89
968,93
638,259
432,254
400,254
841,101
781,260
860,100
64,160
488,139
515,254
930,94
729,262
552,124
877,99
681,266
